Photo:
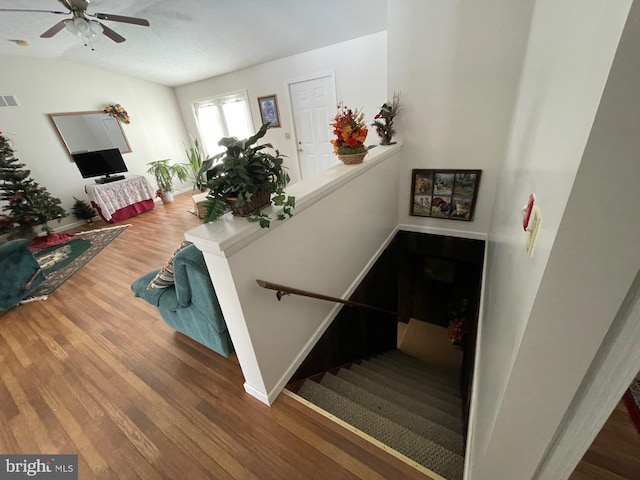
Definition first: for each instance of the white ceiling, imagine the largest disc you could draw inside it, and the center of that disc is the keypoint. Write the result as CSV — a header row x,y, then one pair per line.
x,y
190,40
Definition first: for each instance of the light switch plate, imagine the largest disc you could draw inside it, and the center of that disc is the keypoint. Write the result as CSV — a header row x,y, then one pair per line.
x,y
532,231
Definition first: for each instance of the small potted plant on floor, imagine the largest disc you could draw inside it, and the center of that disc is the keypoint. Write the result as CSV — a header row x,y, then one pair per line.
x,y
164,173
83,211
243,179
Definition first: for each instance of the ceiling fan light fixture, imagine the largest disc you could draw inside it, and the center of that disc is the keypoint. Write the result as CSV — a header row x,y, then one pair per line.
x,y
71,27
95,27
82,25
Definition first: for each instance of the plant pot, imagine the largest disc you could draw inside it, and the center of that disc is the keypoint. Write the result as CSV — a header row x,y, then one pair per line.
x,y
167,197
352,159
259,200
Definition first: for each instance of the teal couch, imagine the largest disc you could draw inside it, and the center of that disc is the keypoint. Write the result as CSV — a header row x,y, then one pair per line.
x,y
191,305
20,273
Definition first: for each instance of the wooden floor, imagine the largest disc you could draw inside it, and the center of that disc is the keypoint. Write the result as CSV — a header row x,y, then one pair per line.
x,y
615,453
95,371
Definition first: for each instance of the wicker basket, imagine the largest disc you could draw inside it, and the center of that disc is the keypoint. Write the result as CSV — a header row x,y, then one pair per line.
x,y
352,159
259,200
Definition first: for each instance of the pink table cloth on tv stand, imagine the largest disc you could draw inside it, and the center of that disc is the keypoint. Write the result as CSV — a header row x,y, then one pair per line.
x,y
117,201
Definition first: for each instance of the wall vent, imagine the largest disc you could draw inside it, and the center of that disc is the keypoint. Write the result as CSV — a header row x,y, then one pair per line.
x,y
8,101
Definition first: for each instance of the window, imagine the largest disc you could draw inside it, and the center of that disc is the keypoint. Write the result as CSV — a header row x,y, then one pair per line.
x,y
224,116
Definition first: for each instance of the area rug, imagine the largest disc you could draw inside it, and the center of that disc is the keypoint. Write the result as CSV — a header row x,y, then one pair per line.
x,y
631,400
60,262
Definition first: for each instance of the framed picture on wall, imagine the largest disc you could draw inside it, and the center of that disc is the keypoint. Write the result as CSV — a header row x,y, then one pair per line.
x,y
449,194
269,110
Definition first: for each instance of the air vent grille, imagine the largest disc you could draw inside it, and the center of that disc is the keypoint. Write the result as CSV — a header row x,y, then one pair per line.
x,y
8,101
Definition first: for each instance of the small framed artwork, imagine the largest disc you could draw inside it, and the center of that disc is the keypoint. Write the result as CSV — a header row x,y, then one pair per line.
x,y
449,194
269,110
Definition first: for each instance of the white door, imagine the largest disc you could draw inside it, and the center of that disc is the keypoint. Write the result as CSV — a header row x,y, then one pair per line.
x,y
314,105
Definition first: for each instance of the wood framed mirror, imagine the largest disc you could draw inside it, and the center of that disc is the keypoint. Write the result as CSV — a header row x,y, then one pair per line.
x,y
90,131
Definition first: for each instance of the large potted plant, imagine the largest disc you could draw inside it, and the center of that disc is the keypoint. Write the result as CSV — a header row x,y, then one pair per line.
x,y
164,173
244,177
195,157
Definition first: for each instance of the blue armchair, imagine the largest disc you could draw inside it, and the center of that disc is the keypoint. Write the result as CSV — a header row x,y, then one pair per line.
x,y
190,305
21,273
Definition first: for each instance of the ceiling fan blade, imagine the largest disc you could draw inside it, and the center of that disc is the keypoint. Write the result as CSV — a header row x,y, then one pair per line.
x,y
113,35
25,10
120,18
53,30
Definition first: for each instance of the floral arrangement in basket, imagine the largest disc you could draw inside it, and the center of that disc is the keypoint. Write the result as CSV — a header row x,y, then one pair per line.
x,y
350,131
118,112
383,121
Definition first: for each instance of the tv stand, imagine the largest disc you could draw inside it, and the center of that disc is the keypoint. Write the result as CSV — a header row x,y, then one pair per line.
x,y
117,201
109,179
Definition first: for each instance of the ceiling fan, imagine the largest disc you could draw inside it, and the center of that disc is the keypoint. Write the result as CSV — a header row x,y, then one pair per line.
x,y
81,24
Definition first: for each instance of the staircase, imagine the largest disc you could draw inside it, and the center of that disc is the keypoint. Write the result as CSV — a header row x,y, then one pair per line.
x,y
405,403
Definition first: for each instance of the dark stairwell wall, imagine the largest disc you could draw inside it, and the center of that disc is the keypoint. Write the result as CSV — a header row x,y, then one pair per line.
x,y
422,276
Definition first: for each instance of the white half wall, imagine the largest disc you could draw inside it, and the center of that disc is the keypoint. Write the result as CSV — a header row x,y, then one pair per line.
x,y
360,68
457,65
45,86
544,315
344,218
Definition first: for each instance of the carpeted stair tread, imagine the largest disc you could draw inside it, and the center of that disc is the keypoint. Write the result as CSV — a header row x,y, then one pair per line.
x,y
419,366
397,414
407,389
433,456
434,387
419,385
425,410
446,379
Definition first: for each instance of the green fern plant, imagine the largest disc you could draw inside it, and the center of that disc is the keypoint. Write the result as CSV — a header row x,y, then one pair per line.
x,y
243,170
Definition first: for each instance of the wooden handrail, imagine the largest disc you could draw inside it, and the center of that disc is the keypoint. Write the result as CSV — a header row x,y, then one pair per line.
x,y
282,290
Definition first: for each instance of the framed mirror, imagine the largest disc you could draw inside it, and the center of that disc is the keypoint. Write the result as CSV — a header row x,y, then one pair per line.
x,y
90,131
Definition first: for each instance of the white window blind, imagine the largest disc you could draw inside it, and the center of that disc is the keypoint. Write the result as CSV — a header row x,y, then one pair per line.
x,y
224,116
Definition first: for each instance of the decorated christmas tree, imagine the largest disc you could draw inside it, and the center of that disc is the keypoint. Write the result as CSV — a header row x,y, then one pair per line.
x,y
28,204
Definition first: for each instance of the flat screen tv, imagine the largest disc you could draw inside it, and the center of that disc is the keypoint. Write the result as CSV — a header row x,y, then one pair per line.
x,y
101,163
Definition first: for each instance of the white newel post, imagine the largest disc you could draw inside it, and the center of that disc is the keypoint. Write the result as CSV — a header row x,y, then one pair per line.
x,y
343,220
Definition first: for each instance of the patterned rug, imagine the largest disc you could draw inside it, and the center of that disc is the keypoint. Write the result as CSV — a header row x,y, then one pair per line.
x,y
632,401
60,262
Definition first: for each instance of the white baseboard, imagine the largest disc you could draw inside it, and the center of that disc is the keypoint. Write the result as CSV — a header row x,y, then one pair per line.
x,y
69,226
256,393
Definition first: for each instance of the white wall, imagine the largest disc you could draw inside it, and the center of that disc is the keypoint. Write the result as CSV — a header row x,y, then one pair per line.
x,y
457,66
338,229
542,314
360,68
45,86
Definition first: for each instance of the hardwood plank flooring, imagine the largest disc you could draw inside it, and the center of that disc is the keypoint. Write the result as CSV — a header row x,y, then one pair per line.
x,y
95,371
